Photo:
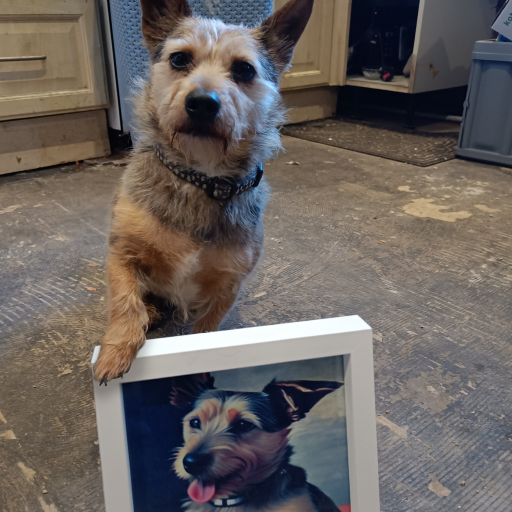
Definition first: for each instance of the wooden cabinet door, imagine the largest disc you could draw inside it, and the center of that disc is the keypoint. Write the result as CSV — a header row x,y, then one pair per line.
x,y
312,60
51,59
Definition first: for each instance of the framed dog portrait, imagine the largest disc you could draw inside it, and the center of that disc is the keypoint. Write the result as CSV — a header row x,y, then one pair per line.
x,y
267,419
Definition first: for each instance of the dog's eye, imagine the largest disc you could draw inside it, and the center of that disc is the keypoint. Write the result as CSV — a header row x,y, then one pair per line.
x,y
181,60
195,423
242,71
241,427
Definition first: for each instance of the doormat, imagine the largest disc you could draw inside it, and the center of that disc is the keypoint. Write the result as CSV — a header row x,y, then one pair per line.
x,y
395,143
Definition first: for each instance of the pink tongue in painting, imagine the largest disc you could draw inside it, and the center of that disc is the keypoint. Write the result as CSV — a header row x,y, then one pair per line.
x,y
201,493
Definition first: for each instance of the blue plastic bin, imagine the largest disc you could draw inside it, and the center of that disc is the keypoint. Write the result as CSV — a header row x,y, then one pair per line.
x,y
486,131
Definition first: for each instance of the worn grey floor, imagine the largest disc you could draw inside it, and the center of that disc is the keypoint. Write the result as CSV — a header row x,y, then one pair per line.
x,y
423,255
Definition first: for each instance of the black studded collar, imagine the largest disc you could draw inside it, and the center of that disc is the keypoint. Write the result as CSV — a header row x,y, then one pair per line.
x,y
221,188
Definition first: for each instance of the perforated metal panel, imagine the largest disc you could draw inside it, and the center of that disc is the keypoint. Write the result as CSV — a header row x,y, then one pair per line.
x,y
132,58
248,12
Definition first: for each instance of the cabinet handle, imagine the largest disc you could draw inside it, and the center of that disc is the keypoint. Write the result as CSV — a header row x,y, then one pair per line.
x,y
29,57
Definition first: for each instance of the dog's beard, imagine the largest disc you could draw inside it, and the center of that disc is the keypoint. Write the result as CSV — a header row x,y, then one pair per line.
x,y
203,149
209,147
238,466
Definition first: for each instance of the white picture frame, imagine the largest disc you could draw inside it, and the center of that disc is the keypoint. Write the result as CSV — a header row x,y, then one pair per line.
x,y
349,337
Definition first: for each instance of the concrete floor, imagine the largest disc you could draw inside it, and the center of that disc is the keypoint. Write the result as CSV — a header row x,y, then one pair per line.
x,y
423,255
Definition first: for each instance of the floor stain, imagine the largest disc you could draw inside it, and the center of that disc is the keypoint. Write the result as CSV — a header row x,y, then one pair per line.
x,y
29,473
473,191
438,488
399,431
405,188
65,370
46,507
486,208
2,418
428,390
424,208
10,209
361,190
58,425
8,435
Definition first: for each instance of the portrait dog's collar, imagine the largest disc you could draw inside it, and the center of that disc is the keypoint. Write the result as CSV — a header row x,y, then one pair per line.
x,y
227,502
221,188
234,501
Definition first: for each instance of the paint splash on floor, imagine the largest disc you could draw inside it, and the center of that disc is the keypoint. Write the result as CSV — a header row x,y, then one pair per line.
x,y
438,488
486,208
10,209
405,188
29,473
424,208
399,431
46,507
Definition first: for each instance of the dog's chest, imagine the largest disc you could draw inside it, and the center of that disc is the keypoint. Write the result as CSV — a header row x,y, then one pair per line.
x,y
193,277
179,284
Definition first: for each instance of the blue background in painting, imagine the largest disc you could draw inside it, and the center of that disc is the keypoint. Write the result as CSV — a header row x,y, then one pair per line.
x,y
154,432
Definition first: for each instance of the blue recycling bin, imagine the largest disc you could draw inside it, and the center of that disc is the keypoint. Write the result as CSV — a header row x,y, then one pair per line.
x,y
486,131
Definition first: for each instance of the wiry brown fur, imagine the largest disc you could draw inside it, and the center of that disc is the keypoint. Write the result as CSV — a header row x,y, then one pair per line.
x,y
167,236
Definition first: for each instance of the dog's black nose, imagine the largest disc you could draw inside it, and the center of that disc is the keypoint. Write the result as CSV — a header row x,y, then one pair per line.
x,y
197,463
202,105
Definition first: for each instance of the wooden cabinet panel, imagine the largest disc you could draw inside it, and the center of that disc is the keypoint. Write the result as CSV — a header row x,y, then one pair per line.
x,y
68,74
312,60
52,140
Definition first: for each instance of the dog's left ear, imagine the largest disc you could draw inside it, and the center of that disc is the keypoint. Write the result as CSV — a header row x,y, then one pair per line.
x,y
281,31
292,400
159,17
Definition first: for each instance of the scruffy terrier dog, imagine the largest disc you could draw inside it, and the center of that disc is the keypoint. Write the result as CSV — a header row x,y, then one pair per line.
x,y
187,219
236,454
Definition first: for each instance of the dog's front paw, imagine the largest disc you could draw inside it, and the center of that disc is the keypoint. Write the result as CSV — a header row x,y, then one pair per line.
x,y
114,361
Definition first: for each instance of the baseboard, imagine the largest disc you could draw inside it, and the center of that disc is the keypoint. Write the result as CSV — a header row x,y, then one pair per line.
x,y
310,104
52,140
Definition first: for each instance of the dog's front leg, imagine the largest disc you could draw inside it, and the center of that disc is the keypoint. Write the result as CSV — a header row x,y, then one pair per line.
x,y
222,296
127,324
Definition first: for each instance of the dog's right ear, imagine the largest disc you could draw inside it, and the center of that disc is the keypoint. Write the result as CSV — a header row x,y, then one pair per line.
x,y
281,31
188,388
159,17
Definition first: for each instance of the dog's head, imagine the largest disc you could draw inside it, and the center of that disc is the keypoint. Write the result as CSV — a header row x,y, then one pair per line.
x,y
235,440
215,86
